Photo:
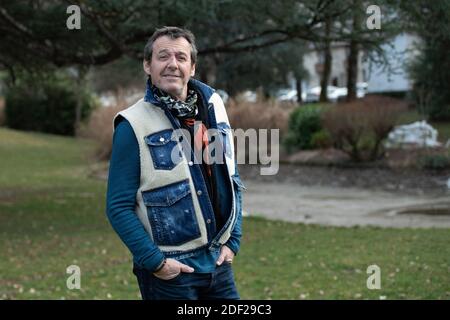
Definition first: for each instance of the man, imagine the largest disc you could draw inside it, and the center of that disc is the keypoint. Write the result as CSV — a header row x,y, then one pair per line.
x,y
180,217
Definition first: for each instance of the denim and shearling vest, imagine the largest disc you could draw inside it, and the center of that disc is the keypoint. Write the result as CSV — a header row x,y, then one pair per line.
x,y
172,201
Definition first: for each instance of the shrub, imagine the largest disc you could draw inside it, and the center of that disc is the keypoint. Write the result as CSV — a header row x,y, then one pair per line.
x,y
435,162
99,126
304,122
359,127
321,139
263,114
50,106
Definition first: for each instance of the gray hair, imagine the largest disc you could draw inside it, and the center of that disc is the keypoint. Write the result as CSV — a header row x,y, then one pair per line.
x,y
173,33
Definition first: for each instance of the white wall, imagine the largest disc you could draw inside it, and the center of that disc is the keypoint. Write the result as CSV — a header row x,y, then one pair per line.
x,y
399,55
338,67
378,79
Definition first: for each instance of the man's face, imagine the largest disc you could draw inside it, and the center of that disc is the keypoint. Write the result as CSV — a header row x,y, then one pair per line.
x,y
171,66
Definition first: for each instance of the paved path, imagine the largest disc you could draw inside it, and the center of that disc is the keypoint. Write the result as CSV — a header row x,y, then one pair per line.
x,y
344,206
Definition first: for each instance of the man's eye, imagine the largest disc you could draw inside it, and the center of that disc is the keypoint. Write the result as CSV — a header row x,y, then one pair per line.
x,y
162,57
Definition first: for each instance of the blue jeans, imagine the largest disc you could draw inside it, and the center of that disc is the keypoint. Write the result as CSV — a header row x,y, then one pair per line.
x,y
188,286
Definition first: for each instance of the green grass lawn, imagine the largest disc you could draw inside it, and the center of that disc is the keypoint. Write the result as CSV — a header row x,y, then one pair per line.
x,y
52,215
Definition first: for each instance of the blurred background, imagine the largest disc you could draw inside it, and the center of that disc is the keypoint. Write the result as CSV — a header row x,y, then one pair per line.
x,y
359,91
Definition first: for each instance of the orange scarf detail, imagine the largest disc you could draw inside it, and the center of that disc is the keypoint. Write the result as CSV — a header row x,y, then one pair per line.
x,y
200,139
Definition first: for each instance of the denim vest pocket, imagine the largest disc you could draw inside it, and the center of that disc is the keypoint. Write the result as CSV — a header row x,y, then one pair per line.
x,y
161,145
171,213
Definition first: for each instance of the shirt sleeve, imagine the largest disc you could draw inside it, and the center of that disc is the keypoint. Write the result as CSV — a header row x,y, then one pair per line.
x,y
123,183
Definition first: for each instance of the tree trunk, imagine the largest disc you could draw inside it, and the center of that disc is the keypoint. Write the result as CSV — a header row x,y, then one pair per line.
x,y
208,71
352,65
80,82
298,86
352,70
327,64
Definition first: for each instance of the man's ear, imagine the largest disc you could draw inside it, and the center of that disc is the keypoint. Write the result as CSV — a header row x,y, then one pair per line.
x,y
193,70
146,65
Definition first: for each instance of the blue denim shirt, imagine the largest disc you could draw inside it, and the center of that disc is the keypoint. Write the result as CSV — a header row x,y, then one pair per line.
x,y
123,183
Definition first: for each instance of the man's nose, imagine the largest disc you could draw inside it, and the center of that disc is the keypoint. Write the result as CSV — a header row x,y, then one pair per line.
x,y
172,64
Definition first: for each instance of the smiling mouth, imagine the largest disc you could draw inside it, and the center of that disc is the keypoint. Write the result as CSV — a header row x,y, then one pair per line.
x,y
171,76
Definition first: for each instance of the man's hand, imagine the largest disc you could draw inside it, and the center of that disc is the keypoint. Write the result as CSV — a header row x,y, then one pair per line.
x,y
171,269
225,255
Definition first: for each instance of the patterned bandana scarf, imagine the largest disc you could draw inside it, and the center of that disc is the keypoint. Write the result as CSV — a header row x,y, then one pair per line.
x,y
180,109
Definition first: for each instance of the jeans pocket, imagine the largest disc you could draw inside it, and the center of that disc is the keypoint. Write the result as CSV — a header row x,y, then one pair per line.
x,y
171,213
164,149
175,279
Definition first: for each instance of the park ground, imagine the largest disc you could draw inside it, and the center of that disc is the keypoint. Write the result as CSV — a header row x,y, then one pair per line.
x,y
52,215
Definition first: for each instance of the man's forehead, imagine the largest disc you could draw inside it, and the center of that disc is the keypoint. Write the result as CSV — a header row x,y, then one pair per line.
x,y
171,45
